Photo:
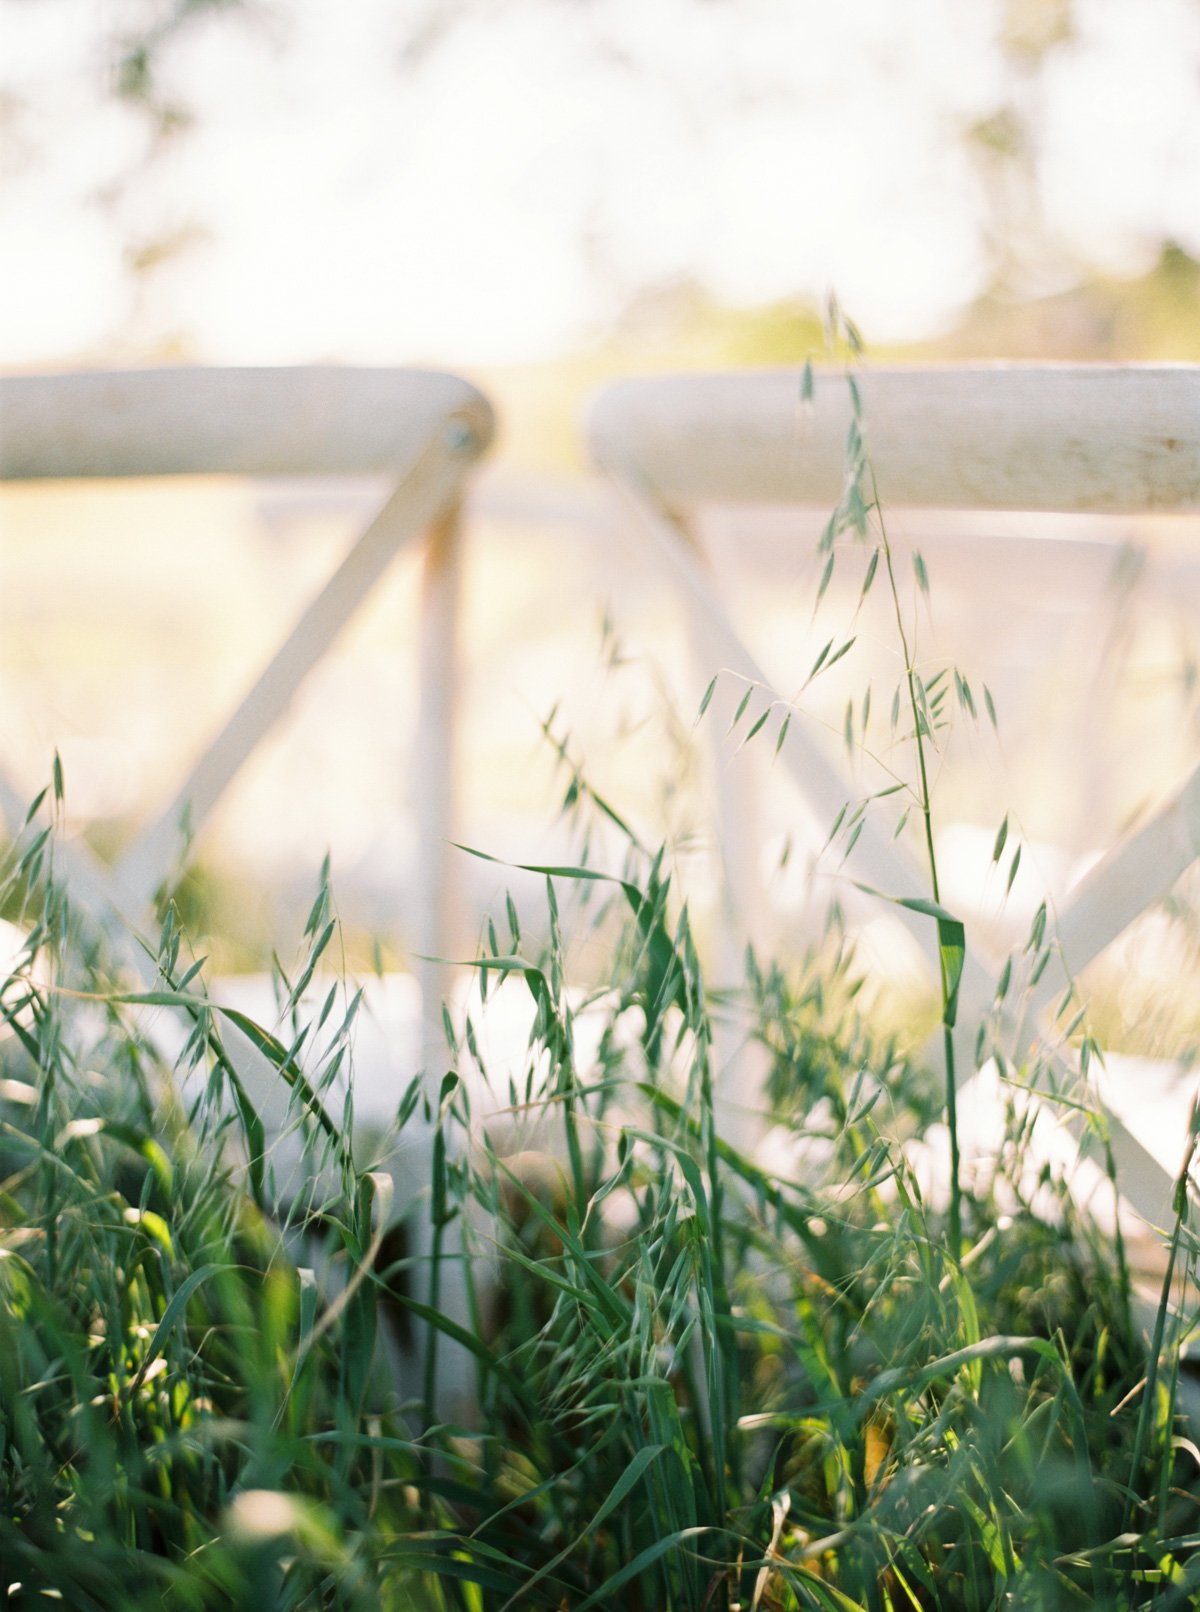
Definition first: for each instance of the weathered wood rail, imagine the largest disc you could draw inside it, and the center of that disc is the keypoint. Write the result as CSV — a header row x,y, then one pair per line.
x,y
1066,438
424,430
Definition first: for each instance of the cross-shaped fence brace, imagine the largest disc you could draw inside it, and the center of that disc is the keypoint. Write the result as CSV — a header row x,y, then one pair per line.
x,y
424,429
1111,439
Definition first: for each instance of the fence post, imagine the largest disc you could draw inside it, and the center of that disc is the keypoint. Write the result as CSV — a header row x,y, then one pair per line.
x,y
436,920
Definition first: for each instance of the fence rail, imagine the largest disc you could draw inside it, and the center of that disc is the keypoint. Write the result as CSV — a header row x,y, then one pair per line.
x,y
1062,438
425,430
996,437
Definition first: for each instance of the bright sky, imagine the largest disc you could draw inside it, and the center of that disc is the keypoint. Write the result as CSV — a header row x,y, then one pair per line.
x,y
505,196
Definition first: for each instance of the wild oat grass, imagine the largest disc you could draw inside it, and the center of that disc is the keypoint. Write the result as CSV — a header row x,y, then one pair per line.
x,y
700,1385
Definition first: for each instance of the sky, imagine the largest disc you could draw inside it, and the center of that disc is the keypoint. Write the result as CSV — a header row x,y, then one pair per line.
x,y
500,196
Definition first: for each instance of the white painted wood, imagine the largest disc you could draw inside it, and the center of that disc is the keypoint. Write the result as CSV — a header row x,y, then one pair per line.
x,y
433,481
315,421
740,1064
875,861
435,924
426,428
1145,1184
1103,437
1132,877
429,429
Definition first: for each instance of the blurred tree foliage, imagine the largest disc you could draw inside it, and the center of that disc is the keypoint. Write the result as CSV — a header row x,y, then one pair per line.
x,y
1041,301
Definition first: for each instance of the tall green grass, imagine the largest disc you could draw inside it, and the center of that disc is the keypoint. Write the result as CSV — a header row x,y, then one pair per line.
x,y
185,1420
699,1384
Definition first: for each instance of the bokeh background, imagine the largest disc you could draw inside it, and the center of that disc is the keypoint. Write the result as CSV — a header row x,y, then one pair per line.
x,y
543,194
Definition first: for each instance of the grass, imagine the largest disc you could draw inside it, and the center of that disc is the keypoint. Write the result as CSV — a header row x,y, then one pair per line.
x,y
699,1383
696,1382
